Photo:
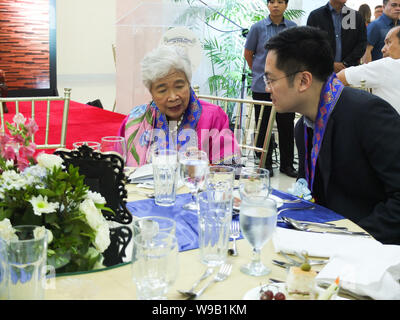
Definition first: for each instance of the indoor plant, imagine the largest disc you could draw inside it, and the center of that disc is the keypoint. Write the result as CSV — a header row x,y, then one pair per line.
x,y
39,190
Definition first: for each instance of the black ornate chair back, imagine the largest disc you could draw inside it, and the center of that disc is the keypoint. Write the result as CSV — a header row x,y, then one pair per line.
x,y
104,173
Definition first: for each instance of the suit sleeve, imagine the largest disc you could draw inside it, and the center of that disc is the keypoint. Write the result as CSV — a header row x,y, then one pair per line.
x,y
379,128
311,21
358,51
299,137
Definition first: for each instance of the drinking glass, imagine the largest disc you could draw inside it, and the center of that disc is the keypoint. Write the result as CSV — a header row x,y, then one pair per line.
x,y
254,183
215,217
165,169
92,144
154,264
154,224
258,216
114,143
26,264
194,169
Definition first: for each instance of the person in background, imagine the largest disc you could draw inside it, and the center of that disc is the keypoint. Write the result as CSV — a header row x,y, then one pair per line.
x,y
175,118
365,12
378,11
347,138
383,75
377,29
347,36
255,54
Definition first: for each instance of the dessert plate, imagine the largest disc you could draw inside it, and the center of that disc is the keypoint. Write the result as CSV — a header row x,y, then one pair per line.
x,y
255,293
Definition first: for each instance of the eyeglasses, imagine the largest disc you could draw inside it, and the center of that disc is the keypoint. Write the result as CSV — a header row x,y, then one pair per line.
x,y
268,81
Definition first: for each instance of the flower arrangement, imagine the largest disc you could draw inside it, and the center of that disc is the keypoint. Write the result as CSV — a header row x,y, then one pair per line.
x,y
43,192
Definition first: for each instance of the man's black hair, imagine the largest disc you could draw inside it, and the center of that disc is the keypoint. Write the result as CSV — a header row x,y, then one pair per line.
x,y
303,49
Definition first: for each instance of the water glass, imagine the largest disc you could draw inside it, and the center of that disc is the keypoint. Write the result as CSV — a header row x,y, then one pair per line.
x,y
215,216
114,143
154,265
221,179
165,170
193,170
254,183
92,144
27,264
258,223
151,225
3,270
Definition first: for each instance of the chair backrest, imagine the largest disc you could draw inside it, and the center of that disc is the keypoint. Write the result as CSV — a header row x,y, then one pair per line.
x,y
245,131
18,101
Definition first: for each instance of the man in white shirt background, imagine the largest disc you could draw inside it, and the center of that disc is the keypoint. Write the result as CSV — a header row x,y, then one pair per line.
x,y
383,75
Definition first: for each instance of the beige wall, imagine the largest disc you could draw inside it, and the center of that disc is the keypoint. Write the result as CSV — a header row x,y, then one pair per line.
x,y
85,33
85,63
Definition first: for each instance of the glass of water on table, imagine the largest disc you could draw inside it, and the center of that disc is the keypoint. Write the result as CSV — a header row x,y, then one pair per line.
x,y
258,215
193,169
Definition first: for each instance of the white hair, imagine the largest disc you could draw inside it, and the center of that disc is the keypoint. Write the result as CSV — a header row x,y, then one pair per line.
x,y
159,62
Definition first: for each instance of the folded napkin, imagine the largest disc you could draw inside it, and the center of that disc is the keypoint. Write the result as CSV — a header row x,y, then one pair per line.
x,y
142,174
370,269
316,244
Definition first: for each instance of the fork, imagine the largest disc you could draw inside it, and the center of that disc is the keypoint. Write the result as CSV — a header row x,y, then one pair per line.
x,y
235,233
222,274
205,275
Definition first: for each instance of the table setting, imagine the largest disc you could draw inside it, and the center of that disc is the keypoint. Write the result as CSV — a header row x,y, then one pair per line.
x,y
202,231
300,226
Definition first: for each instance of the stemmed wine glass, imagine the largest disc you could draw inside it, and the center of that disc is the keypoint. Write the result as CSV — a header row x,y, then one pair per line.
x,y
114,143
193,169
258,215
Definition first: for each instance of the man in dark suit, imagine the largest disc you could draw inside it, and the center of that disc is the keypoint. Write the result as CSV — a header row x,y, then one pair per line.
x,y
346,30
347,139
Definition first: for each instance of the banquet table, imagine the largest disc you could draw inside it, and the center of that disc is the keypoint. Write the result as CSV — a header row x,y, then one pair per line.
x,y
115,282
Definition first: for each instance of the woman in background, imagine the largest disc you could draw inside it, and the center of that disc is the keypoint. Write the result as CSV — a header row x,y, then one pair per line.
x,y
365,12
176,118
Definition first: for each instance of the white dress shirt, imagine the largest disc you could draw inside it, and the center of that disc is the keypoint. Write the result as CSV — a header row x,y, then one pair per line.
x,y
382,75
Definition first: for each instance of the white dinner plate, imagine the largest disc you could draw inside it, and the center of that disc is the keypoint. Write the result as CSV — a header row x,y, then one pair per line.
x,y
254,294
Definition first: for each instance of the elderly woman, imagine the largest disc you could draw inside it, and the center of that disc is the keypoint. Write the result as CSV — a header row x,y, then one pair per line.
x,y
176,118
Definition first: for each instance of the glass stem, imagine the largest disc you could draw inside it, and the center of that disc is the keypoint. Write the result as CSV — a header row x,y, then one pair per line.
x,y
256,256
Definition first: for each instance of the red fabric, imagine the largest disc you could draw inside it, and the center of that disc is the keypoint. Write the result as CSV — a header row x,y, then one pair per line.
x,y
85,123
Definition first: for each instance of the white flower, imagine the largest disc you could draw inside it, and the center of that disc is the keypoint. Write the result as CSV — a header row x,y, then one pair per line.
x,y
49,161
102,240
7,232
37,172
12,180
94,217
41,205
39,232
96,197
19,118
10,163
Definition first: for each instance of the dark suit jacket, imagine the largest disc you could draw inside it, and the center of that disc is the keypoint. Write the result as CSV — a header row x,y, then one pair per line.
x,y
354,40
358,168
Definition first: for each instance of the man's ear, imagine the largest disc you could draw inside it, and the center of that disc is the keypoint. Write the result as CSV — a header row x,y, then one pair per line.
x,y
306,80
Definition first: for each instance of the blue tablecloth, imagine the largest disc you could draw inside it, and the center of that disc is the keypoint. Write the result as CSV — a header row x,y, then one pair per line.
x,y
187,222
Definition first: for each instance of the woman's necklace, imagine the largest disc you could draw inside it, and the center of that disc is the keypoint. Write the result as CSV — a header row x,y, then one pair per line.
x,y
173,125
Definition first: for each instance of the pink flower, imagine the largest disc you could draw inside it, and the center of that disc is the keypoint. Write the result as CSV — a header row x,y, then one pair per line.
x,y
32,127
22,163
19,139
27,151
9,153
4,140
